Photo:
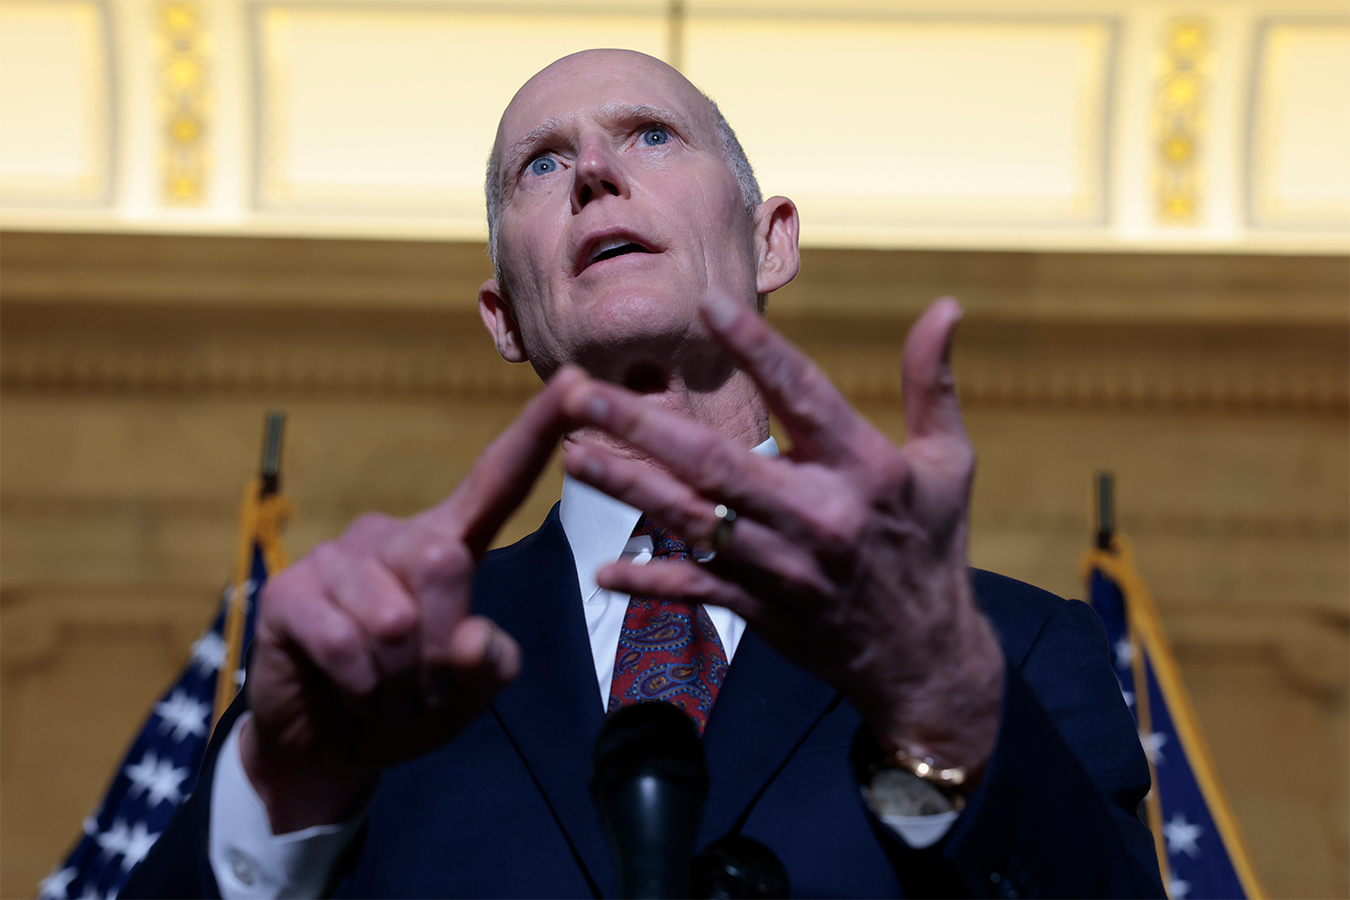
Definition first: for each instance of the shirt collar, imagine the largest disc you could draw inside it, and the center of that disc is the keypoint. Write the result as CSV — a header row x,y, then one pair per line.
x,y
598,526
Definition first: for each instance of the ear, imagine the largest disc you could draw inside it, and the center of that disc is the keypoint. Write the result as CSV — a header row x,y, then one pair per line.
x,y
500,322
776,227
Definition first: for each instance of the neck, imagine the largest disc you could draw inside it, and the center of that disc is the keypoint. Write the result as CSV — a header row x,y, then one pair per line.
x,y
733,409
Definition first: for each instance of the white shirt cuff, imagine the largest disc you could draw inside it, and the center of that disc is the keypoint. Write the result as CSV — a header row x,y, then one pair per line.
x,y
921,831
251,863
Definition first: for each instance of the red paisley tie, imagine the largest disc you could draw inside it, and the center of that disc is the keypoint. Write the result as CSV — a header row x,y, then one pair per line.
x,y
668,650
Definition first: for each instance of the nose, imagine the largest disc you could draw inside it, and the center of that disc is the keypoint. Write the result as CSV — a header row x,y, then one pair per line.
x,y
599,172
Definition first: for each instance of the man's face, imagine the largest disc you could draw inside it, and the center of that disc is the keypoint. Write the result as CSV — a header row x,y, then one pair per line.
x,y
619,211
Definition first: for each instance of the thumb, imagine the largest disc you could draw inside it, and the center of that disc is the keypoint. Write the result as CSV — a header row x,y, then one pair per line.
x,y
932,408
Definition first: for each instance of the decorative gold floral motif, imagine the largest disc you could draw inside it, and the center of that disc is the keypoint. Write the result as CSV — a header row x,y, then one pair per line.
x,y
185,101
1179,116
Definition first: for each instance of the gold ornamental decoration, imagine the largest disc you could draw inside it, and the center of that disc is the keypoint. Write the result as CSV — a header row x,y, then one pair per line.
x,y
183,46
1179,116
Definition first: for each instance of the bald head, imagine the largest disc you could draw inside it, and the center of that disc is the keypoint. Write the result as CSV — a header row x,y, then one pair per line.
x,y
588,75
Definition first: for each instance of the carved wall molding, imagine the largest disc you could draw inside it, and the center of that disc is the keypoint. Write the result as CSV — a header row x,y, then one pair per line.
x,y
1096,369
185,316
15,503
1140,125
1194,525
53,350
323,362
37,621
1309,651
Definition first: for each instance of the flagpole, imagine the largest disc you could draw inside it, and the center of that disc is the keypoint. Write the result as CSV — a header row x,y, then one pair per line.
x,y
261,513
1106,543
1106,509
271,460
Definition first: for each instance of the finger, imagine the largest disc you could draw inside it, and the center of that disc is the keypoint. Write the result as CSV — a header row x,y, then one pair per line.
x,y
816,416
437,554
691,516
503,475
297,612
677,580
481,660
480,643
637,483
706,461
386,614
931,405
437,569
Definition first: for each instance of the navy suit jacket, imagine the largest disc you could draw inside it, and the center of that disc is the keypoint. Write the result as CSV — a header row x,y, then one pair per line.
x,y
503,809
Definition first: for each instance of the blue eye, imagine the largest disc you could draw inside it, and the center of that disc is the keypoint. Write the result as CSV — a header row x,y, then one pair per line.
x,y
543,165
654,135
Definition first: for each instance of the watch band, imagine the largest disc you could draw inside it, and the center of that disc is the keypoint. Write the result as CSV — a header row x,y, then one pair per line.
x,y
946,780
883,774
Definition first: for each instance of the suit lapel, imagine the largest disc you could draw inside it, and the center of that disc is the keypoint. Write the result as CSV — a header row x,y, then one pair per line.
x,y
765,709
552,713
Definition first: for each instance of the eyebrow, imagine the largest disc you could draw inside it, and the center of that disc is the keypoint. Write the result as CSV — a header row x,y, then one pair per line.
x,y
618,111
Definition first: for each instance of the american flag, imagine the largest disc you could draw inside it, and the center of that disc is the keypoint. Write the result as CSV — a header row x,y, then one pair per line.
x,y
160,769
1200,847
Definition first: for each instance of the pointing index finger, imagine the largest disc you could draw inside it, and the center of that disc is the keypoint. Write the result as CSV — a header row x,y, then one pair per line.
x,y
503,474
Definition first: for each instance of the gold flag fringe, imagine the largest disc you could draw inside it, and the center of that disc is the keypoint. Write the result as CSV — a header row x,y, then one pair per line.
x,y
260,519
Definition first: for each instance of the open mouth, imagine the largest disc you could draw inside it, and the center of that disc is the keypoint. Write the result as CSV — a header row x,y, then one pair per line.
x,y
645,378
609,248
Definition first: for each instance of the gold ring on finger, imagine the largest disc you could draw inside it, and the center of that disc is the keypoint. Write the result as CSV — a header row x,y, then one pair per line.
x,y
720,539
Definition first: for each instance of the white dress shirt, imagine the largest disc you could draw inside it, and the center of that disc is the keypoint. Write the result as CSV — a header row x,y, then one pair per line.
x,y
250,863
607,525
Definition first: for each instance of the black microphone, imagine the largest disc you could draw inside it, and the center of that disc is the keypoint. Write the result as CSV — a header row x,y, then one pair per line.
x,y
737,867
649,782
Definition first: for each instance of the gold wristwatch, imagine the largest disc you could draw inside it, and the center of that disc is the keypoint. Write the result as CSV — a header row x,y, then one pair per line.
x,y
902,784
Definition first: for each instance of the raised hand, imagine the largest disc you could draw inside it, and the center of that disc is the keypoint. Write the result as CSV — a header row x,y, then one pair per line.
x,y
367,652
848,554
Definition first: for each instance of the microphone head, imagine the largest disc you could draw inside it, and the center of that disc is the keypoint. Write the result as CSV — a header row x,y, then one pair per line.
x,y
649,739
649,781
737,866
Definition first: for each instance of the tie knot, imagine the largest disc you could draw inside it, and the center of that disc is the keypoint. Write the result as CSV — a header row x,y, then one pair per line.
x,y
665,545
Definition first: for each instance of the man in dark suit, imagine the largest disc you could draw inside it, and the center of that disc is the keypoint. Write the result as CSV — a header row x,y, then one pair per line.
x,y
420,717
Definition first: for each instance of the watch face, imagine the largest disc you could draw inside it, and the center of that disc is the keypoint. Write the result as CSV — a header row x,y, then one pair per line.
x,y
895,792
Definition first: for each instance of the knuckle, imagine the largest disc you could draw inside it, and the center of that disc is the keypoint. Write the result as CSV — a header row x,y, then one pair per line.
x,y
273,597
758,342
393,620
288,583
337,644
370,526
801,578
888,472
704,586
436,557
796,377
717,467
838,522
327,556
